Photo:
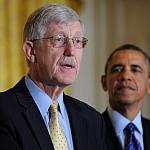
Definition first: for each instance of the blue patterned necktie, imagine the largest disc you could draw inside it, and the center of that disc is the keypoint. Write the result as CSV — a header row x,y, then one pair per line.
x,y
131,143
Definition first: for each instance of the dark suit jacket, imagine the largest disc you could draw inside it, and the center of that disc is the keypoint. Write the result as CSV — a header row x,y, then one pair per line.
x,y
22,126
112,140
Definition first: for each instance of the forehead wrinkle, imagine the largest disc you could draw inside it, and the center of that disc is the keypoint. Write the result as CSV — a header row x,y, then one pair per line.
x,y
65,28
129,57
71,31
69,28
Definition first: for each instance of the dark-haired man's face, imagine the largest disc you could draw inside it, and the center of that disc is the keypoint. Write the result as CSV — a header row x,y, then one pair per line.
x,y
126,79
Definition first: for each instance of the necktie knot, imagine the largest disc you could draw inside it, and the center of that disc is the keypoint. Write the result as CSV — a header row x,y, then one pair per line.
x,y
130,128
131,143
54,106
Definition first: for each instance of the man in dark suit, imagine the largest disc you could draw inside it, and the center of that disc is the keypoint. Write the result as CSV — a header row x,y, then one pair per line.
x,y
53,43
127,80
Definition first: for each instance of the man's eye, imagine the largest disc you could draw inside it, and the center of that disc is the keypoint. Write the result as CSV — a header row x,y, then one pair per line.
x,y
136,70
59,39
78,40
116,69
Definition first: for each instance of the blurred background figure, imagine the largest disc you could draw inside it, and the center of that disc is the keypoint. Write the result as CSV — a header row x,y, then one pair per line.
x,y
127,81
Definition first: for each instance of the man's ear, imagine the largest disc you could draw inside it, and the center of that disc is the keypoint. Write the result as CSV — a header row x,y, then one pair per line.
x,y
29,51
104,82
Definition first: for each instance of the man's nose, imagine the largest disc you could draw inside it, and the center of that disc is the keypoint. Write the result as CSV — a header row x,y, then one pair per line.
x,y
70,48
125,75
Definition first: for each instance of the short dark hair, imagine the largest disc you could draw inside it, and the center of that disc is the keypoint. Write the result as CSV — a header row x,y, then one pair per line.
x,y
128,47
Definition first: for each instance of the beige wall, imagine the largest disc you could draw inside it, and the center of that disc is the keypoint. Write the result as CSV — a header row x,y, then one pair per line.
x,y
110,23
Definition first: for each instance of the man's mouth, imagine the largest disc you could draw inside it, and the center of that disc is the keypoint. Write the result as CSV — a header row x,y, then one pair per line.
x,y
125,88
68,66
68,62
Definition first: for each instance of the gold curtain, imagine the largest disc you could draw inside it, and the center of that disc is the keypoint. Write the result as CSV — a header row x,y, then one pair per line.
x,y
13,15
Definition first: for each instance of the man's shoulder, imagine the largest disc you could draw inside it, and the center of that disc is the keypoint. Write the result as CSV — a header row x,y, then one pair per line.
x,y
8,98
10,93
6,95
146,121
80,110
79,105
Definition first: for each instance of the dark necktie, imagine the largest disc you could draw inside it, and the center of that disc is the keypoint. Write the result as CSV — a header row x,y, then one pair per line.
x,y
131,143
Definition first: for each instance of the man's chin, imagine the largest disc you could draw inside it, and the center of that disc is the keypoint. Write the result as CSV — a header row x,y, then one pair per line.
x,y
67,82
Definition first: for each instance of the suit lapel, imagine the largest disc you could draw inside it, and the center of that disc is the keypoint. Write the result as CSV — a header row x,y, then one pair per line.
x,y
111,139
146,133
78,124
33,116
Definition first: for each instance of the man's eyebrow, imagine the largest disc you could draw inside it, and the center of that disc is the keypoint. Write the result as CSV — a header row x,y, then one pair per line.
x,y
136,66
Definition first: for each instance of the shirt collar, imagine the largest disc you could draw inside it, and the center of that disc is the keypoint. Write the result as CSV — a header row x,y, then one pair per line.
x,y
120,122
61,104
42,100
138,123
